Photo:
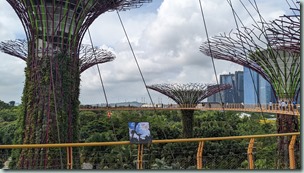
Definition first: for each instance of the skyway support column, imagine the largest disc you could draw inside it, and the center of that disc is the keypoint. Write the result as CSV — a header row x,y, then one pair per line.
x,y
199,155
249,153
69,158
140,156
292,164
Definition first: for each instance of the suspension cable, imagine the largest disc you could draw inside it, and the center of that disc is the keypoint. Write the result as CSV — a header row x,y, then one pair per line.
x,y
154,108
256,8
261,18
142,77
290,7
243,47
101,81
56,112
214,69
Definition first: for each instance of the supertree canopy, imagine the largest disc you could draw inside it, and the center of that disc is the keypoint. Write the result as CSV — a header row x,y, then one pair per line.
x,y
17,48
88,56
279,65
54,30
188,96
272,49
285,32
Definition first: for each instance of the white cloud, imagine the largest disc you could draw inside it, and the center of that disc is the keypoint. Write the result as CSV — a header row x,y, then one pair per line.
x,y
165,39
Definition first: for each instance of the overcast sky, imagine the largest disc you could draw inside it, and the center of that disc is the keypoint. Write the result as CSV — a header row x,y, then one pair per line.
x,y
165,35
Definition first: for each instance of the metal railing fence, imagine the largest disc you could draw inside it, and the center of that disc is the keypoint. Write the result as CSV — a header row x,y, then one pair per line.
x,y
190,153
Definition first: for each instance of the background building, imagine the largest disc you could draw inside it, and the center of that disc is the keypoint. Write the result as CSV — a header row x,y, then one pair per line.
x,y
239,86
228,95
257,89
247,86
233,95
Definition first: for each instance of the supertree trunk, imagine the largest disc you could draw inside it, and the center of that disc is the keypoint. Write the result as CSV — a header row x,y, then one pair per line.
x,y
50,109
187,121
54,31
286,124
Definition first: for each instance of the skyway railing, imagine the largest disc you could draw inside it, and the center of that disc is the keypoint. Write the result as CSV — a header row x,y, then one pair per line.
x,y
198,154
288,109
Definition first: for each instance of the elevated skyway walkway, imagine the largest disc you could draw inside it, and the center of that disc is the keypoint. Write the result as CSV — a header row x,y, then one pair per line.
x,y
289,109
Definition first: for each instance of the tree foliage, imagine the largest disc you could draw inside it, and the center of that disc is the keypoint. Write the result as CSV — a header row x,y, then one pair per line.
x,y
229,154
4,105
96,126
8,126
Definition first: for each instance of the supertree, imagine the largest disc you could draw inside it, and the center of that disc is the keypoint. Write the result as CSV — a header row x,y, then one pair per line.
x,y
188,96
272,49
54,30
285,32
88,56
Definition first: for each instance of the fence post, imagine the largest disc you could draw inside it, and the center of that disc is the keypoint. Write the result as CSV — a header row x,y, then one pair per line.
x,y
199,155
249,153
140,156
292,163
69,158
